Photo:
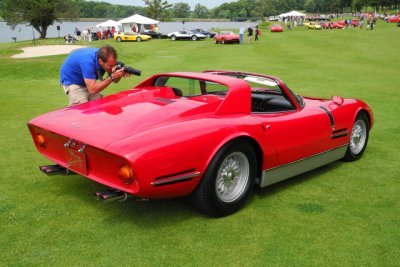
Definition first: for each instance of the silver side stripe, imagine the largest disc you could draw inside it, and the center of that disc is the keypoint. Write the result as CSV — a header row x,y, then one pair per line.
x,y
280,173
176,179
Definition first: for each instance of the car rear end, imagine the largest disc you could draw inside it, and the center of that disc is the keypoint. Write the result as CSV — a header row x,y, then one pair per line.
x,y
86,159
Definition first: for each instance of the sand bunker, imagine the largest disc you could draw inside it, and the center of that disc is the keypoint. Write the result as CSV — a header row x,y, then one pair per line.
x,y
46,50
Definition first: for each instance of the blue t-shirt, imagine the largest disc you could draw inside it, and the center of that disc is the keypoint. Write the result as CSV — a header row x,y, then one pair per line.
x,y
79,65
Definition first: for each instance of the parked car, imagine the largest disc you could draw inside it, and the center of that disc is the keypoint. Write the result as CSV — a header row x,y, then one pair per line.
x,y
225,37
208,34
313,25
276,28
393,19
274,18
353,23
335,25
154,34
131,36
211,136
186,35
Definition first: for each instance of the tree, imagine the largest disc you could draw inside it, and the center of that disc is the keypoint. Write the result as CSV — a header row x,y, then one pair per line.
x,y
181,10
157,9
200,11
40,14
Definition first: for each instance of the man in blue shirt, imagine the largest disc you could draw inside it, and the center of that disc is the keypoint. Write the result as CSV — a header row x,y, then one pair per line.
x,y
81,70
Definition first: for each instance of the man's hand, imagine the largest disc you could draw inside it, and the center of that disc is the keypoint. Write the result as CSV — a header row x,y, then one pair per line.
x,y
118,74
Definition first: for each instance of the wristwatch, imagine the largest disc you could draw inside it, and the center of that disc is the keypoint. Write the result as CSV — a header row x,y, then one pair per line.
x,y
111,77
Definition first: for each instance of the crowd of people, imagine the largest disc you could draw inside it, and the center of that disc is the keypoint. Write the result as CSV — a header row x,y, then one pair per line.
x,y
88,34
256,32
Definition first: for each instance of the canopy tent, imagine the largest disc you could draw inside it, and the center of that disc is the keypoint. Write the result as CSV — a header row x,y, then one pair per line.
x,y
292,14
136,21
109,23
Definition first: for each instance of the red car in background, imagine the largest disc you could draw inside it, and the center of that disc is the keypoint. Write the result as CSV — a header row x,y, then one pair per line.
x,y
225,37
393,19
332,25
276,28
211,136
353,23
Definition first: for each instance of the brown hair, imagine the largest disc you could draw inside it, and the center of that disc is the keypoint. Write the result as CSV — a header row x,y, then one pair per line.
x,y
105,52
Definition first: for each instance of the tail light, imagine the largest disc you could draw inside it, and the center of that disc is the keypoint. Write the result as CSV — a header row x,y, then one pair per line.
x,y
41,140
125,174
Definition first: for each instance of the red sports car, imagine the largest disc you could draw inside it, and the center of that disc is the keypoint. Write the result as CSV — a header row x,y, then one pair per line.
x,y
276,28
211,136
226,37
332,25
353,23
393,19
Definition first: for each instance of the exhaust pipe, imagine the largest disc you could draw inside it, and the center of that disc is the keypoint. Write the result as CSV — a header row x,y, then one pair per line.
x,y
110,195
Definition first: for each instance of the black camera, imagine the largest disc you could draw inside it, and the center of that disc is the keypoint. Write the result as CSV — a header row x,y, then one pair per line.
x,y
127,69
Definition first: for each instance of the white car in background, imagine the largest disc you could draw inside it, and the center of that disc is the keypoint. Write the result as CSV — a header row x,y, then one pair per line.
x,y
274,18
186,35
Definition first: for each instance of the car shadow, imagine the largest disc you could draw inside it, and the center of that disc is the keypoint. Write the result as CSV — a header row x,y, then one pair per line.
x,y
158,212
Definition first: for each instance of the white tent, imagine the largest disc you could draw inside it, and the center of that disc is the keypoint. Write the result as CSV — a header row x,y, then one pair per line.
x,y
292,14
109,23
136,20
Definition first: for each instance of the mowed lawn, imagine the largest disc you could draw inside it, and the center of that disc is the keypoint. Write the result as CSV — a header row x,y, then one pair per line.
x,y
343,214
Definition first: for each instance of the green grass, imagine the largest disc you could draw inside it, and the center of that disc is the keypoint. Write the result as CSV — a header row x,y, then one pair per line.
x,y
343,214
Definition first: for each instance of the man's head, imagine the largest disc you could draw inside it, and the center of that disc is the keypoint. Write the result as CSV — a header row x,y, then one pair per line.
x,y
107,57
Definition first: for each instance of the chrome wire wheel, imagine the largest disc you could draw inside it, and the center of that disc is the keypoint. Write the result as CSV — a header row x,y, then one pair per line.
x,y
233,177
358,136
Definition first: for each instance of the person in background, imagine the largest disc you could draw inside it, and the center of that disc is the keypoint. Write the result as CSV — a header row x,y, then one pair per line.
x,y
77,33
256,32
112,31
81,74
250,33
241,35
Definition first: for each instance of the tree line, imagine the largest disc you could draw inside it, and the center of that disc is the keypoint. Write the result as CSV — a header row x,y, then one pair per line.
x,y
43,13
162,10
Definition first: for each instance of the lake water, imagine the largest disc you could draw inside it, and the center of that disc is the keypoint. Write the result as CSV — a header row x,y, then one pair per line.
x,y
24,32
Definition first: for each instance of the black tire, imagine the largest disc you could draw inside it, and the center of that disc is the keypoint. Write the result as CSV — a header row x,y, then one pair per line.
x,y
358,139
208,35
194,38
119,39
138,39
173,37
228,180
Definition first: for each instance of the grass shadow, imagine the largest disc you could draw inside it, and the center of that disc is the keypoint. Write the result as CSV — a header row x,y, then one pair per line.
x,y
144,213
296,180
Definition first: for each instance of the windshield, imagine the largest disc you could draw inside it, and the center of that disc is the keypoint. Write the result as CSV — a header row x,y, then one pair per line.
x,y
191,87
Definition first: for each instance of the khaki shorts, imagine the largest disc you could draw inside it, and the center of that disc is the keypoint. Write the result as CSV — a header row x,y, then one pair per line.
x,y
78,94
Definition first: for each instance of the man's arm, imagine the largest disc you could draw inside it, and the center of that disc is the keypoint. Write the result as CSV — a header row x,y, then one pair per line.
x,y
95,87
